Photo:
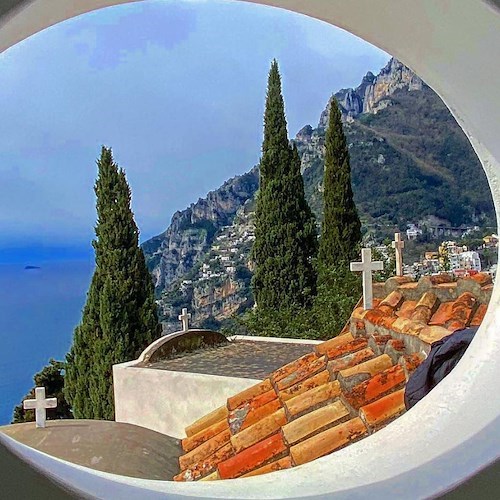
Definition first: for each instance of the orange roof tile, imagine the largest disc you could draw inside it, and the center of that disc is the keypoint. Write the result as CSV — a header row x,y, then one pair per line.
x,y
375,387
327,441
312,422
312,398
252,457
383,410
349,386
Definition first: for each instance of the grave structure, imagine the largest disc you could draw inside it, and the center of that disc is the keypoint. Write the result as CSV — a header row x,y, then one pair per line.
x,y
342,390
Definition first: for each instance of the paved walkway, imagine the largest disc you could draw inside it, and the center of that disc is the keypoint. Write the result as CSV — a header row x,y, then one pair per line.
x,y
123,449
240,358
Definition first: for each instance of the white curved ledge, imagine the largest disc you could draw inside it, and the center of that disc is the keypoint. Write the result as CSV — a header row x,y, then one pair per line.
x,y
454,45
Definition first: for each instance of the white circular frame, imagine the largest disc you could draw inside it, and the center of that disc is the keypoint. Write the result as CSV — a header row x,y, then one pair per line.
x,y
454,45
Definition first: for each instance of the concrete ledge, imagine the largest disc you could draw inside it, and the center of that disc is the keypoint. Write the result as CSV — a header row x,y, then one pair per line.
x,y
167,401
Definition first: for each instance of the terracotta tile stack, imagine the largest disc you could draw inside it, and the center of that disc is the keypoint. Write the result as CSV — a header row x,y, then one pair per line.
x,y
349,387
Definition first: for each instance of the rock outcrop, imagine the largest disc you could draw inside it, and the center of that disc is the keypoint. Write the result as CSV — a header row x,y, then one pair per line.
x,y
172,254
370,95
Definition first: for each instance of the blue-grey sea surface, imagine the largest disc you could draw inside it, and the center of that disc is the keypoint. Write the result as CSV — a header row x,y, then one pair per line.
x,y
39,309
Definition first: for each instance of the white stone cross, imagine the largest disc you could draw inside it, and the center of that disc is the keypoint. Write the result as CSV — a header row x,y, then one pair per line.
x,y
40,404
184,317
398,244
366,266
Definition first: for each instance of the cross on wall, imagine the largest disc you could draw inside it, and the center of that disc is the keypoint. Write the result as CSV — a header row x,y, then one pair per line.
x,y
366,266
184,317
398,244
40,405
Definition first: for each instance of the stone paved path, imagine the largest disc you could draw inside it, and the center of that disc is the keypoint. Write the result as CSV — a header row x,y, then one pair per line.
x,y
123,449
240,358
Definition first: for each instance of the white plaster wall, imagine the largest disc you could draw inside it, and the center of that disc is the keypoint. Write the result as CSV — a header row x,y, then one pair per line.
x,y
167,401
454,45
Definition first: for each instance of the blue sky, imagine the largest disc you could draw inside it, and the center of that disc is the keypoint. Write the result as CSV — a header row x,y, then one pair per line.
x,y
177,89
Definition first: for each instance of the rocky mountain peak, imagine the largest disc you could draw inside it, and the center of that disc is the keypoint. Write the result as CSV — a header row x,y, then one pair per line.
x,y
370,95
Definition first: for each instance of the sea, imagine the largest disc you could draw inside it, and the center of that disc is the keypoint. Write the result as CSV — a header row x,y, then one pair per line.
x,y
40,305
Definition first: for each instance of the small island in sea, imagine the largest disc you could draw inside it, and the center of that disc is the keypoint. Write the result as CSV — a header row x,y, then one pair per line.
x,y
27,268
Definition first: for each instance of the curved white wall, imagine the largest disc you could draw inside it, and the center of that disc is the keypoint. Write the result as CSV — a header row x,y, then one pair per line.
x,y
454,45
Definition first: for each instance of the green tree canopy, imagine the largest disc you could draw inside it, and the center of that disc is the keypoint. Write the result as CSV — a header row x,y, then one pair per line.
x,y
341,227
285,232
119,318
52,378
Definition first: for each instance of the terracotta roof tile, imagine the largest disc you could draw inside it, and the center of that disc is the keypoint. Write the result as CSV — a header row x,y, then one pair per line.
x,y
292,367
375,387
205,466
242,418
280,464
407,326
327,441
410,362
353,346
409,286
252,457
259,430
378,342
482,278
349,360
430,334
314,421
213,417
395,348
442,315
304,386
463,309
249,394
381,318
204,450
332,343
383,410
190,443
406,309
439,279
312,398
302,372
479,315
371,367
393,300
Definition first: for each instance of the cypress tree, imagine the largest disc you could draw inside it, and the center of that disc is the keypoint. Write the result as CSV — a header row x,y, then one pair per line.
x,y
285,232
119,318
341,227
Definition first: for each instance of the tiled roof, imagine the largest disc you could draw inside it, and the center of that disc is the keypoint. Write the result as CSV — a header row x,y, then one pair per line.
x,y
344,390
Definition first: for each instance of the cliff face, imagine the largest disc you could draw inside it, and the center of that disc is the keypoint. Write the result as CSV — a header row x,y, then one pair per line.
x,y
372,93
172,254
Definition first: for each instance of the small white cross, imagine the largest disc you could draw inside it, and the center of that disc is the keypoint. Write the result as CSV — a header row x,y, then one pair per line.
x,y
366,266
40,404
398,244
184,317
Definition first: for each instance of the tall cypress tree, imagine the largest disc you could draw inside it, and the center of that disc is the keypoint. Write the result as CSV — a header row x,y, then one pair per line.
x,y
341,227
119,318
285,232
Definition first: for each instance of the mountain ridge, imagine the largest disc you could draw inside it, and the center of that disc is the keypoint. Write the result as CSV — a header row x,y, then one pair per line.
x,y
409,160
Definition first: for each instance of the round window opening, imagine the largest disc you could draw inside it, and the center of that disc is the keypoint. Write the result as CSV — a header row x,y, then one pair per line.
x,y
342,355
